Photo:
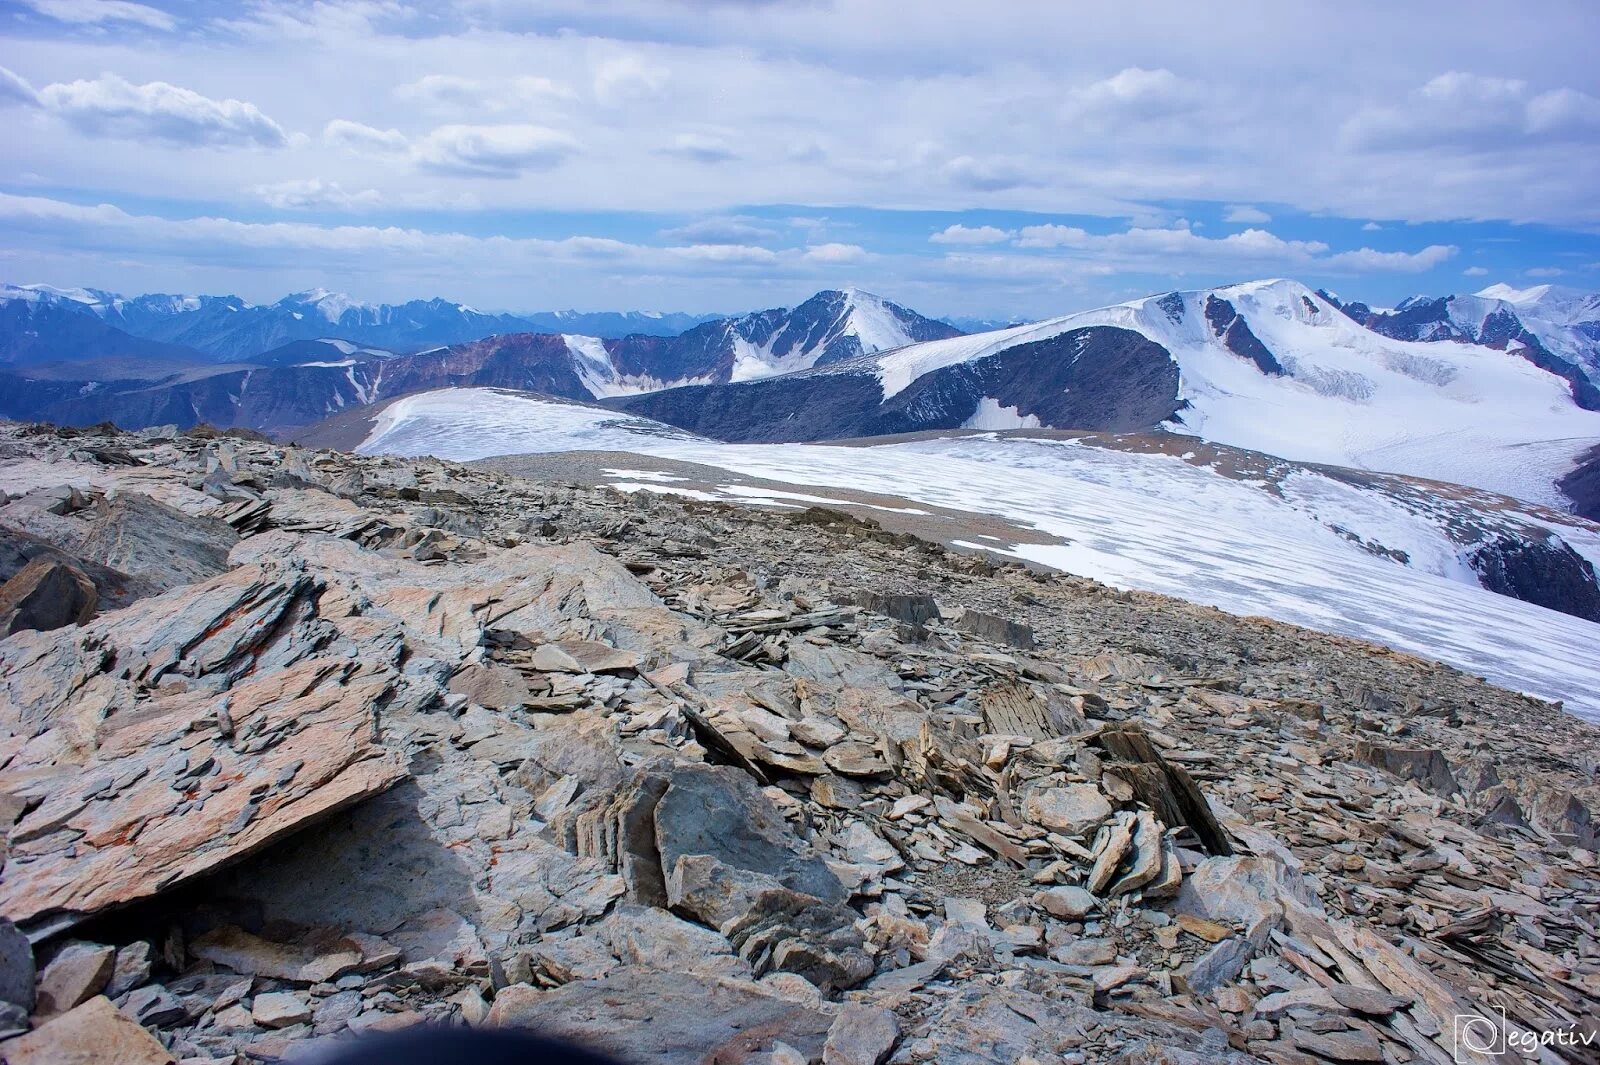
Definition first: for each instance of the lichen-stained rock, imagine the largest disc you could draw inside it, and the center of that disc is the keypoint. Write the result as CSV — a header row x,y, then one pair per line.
x,y
189,782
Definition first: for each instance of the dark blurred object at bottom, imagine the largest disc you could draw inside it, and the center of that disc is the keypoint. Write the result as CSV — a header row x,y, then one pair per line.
x,y
458,1046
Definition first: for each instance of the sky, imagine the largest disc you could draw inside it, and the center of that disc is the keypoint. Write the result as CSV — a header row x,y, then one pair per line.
x,y
1022,159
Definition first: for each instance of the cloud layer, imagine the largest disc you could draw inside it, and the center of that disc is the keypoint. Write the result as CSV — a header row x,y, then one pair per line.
x,y
1074,153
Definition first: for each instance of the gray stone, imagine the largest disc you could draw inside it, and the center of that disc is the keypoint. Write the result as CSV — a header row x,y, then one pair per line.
x,y
279,1009
131,969
16,967
860,1035
155,1007
664,1018
995,629
1424,766
1068,902
77,973
336,1011
1075,810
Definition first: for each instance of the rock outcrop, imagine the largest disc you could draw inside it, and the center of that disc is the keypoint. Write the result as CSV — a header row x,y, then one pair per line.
x,y
414,742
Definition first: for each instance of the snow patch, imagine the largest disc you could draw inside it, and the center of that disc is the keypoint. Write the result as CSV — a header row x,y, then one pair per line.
x,y
991,415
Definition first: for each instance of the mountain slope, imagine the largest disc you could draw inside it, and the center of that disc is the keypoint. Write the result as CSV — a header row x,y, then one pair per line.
x,y
1269,366
1557,330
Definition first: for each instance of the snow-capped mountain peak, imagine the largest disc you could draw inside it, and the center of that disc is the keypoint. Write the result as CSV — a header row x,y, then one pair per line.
x,y
330,305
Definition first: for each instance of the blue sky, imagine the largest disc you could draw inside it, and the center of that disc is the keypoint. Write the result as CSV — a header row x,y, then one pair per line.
x,y
1024,159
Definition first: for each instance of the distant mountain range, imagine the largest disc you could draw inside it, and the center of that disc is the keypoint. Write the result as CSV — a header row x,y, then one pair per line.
x,y
1498,389
229,329
301,381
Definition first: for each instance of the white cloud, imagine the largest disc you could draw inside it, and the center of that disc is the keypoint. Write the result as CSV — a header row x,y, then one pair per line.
x,y
1474,271
1242,212
1371,227
836,253
1178,249
984,175
628,77
1546,271
1052,236
112,106
312,193
960,234
449,92
493,151
1473,111
361,138
725,254
720,231
89,12
1365,259
1133,93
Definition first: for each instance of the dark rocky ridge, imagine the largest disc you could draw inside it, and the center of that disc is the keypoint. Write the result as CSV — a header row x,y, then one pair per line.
x,y
1234,332
1582,485
1098,378
1546,572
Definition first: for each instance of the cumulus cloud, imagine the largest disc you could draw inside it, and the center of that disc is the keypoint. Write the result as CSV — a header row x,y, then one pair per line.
x,y
1474,111
720,231
364,139
312,193
836,253
1178,249
112,106
725,253
1052,236
1475,271
1371,227
89,12
1364,259
493,151
1241,212
1131,94
449,92
960,234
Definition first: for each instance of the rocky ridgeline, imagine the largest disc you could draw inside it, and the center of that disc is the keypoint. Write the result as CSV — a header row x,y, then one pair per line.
x,y
300,745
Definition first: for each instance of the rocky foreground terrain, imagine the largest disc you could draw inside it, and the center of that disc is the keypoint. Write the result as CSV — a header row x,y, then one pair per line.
x,y
300,745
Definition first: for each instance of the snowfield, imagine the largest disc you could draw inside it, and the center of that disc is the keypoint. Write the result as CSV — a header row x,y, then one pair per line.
x,y
1319,553
1453,412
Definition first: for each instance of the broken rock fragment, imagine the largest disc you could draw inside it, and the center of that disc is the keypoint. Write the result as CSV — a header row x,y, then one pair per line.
x,y
47,594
